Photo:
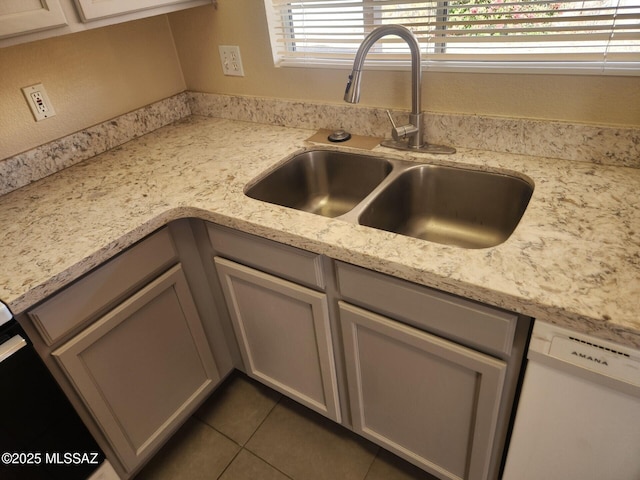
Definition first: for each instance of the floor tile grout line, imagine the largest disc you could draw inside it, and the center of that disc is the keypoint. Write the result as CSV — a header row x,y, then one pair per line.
x,y
373,460
280,399
243,446
255,459
263,420
218,431
272,466
229,464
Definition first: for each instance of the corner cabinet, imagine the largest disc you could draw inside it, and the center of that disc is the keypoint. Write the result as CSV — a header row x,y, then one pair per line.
x,y
142,367
128,344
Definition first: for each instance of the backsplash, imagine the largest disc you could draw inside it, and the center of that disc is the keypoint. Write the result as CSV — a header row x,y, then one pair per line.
x,y
618,146
52,157
606,145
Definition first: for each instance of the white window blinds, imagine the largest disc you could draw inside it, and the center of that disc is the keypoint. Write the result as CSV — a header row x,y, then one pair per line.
x,y
587,35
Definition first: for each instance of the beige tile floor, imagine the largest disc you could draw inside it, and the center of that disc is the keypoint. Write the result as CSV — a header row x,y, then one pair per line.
x,y
246,431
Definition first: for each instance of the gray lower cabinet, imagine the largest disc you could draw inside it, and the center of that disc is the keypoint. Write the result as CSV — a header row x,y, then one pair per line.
x,y
143,367
425,374
284,335
429,400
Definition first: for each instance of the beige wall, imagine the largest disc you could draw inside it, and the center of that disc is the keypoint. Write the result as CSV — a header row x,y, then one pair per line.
x,y
198,32
90,77
95,75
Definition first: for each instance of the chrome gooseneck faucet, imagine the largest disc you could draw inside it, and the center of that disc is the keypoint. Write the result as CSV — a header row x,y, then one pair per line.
x,y
405,137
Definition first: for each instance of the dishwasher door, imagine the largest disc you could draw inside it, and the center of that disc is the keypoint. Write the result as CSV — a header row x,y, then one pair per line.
x,y
578,416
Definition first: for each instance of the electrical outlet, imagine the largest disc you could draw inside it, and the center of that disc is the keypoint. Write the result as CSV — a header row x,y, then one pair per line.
x,y
231,60
39,102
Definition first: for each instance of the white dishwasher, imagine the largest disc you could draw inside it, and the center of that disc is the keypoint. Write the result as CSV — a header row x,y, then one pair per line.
x,y
578,416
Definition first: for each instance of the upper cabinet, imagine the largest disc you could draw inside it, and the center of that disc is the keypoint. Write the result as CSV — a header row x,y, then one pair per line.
x,y
27,16
91,10
24,21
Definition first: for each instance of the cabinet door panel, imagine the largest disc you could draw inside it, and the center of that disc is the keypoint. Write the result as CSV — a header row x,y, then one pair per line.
x,y
21,16
95,9
283,334
143,367
429,400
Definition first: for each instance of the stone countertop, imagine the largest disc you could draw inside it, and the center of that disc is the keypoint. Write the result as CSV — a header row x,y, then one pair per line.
x,y
574,259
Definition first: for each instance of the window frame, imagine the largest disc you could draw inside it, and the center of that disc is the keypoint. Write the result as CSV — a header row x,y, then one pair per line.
x,y
589,67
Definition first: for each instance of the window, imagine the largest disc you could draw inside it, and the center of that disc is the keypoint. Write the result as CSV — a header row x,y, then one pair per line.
x,y
591,36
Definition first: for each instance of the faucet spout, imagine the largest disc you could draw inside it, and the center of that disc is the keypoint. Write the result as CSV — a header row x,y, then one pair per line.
x,y
352,93
408,137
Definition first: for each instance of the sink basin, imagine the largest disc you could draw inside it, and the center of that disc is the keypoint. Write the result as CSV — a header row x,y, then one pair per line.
x,y
323,182
452,206
445,204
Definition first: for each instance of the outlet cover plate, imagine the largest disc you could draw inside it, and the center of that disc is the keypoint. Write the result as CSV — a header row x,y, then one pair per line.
x,y
231,60
39,102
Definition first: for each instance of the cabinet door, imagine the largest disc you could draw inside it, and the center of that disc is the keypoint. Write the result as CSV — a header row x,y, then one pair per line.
x,y
429,400
95,9
25,16
283,333
143,368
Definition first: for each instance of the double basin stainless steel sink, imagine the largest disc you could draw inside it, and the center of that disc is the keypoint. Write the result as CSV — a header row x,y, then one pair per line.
x,y
448,205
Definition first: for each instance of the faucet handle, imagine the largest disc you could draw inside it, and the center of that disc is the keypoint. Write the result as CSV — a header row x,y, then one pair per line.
x,y
402,132
393,124
394,129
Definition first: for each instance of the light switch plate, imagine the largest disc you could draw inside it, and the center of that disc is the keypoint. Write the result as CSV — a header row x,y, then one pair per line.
x,y
39,102
231,60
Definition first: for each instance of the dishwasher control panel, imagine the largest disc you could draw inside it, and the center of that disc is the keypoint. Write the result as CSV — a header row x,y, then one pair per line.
x,y
599,356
